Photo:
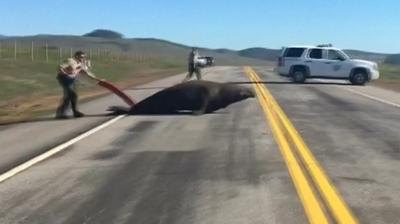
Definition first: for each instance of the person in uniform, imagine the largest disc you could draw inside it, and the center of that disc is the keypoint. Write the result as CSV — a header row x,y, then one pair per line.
x,y
67,75
193,65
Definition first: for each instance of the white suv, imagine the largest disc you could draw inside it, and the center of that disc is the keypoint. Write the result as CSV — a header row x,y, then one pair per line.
x,y
324,61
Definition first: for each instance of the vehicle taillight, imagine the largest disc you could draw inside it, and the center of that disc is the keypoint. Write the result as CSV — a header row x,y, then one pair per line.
x,y
281,61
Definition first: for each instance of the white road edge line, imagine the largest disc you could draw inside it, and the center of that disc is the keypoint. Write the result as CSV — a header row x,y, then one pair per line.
x,y
373,97
55,150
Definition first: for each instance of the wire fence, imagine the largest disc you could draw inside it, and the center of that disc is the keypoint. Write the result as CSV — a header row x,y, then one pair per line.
x,y
42,51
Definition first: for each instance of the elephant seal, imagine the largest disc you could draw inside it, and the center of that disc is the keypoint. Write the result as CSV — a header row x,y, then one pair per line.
x,y
197,97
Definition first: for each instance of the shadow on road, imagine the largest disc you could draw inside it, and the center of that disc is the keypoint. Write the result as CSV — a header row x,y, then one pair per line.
x,y
49,119
42,119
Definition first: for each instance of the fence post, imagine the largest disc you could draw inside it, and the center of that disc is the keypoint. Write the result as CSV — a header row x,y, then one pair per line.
x,y
47,52
32,51
0,50
60,54
37,54
70,52
15,49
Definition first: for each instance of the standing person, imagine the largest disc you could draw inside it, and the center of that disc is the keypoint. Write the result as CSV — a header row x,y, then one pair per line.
x,y
193,65
67,74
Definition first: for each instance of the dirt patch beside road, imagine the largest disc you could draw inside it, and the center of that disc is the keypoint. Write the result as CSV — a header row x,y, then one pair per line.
x,y
393,85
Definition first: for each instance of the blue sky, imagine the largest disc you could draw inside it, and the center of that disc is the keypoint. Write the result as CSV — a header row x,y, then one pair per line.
x,y
366,25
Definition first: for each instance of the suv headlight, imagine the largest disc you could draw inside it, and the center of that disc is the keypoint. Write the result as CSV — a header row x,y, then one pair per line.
x,y
375,66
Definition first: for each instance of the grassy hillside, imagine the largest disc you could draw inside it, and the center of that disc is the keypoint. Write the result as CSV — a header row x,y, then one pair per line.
x,y
393,59
147,47
389,77
389,72
273,54
371,56
261,53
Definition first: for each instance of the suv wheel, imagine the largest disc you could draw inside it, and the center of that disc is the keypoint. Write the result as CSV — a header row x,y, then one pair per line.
x,y
358,78
299,76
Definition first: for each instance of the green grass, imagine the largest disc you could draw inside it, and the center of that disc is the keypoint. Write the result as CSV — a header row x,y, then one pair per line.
x,y
23,77
29,88
389,72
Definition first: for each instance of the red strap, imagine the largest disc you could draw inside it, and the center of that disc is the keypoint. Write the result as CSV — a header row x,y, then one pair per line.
x,y
117,91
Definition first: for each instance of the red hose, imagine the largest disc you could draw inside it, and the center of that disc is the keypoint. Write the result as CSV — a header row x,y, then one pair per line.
x,y
117,91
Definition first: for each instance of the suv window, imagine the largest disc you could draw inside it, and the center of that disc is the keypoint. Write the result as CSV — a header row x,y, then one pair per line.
x,y
294,52
316,53
335,55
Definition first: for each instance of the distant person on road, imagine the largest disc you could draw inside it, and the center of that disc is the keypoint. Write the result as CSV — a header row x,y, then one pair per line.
x,y
193,65
67,74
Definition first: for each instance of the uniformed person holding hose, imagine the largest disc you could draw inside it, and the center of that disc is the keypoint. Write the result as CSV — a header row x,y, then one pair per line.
x,y
67,75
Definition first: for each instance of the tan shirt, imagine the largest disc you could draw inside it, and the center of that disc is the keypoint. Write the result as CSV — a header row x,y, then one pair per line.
x,y
193,58
72,67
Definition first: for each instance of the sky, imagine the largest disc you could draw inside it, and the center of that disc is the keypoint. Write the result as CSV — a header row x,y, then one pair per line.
x,y
372,25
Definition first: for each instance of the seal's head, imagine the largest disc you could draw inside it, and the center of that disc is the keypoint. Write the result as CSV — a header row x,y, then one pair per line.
x,y
246,93
235,93
242,93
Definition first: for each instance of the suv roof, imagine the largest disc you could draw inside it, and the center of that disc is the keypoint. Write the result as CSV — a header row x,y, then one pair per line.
x,y
310,46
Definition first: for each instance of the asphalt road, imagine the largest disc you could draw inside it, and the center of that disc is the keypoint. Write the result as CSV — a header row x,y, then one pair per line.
x,y
224,167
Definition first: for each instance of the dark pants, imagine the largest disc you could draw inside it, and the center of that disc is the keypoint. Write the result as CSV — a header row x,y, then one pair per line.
x,y
70,96
193,69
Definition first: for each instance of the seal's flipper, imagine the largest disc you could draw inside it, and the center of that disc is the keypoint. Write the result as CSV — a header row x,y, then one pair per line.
x,y
117,110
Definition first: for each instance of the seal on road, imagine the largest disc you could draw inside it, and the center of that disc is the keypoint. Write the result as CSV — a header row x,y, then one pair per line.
x,y
197,97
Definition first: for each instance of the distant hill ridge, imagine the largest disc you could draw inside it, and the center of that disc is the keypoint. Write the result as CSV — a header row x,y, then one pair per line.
x,y
107,34
103,38
393,59
260,53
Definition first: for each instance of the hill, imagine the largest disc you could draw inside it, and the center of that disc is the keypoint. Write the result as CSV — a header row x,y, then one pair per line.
x,y
107,34
153,47
371,56
273,54
260,53
148,47
393,59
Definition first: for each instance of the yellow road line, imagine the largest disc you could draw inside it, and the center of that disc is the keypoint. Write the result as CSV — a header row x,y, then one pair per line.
x,y
336,204
308,198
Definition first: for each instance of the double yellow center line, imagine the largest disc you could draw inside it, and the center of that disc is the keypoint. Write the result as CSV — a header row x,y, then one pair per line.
x,y
319,197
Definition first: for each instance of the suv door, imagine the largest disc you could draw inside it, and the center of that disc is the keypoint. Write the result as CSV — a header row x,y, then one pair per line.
x,y
316,62
338,65
289,57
